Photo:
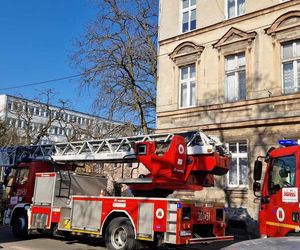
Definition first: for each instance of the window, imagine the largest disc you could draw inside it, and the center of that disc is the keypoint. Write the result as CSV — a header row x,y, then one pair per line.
x,y
235,77
9,105
282,173
290,58
37,111
238,174
31,110
22,176
235,8
188,16
187,86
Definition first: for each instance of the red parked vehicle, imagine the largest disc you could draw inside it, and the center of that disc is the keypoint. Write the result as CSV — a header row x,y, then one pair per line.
x,y
67,203
279,213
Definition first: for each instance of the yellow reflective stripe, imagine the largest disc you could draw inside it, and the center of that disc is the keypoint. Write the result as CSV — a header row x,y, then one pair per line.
x,y
276,224
83,231
143,238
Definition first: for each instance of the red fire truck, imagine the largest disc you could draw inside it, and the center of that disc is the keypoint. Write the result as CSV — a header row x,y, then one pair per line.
x,y
279,213
72,204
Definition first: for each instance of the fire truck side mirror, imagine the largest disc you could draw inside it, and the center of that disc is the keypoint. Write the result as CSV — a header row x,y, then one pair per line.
x,y
257,170
256,187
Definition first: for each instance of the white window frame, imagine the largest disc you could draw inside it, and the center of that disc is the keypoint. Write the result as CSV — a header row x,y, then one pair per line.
x,y
235,10
189,10
237,155
236,72
188,82
295,60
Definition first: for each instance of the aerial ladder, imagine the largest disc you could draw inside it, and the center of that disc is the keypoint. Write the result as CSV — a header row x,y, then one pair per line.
x,y
175,161
157,152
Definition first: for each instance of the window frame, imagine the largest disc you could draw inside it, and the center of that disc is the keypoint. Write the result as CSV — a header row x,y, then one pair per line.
x,y
294,59
235,9
188,82
189,10
236,72
238,156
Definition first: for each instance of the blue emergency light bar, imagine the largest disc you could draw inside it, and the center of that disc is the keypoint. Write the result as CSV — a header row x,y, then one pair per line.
x,y
287,143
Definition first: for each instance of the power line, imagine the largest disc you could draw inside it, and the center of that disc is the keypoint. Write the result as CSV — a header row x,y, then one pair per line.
x,y
39,83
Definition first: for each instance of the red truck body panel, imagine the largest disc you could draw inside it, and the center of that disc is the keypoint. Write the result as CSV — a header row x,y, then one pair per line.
x,y
279,213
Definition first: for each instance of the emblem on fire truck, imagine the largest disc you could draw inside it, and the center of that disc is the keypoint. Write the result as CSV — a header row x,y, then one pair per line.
x,y
181,149
280,214
160,213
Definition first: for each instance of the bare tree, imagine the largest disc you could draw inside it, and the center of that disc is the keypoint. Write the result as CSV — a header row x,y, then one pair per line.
x,y
24,116
118,56
8,135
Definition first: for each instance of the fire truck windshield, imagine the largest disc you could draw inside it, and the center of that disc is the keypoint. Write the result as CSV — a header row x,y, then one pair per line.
x,y
282,173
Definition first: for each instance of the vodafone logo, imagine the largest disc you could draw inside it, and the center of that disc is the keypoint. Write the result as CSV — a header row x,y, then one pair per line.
x,y
290,195
280,214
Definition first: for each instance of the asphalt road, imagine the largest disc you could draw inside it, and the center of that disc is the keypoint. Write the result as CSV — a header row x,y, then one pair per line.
x,y
39,242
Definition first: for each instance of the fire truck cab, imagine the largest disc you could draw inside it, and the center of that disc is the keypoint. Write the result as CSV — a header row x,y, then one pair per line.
x,y
279,213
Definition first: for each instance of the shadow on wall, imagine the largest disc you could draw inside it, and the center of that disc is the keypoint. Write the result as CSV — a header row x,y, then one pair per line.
x,y
241,210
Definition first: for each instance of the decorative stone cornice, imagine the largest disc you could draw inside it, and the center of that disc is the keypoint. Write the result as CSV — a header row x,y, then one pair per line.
x,y
188,50
234,35
285,22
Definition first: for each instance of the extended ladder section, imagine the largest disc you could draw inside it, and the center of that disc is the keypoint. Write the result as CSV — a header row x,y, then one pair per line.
x,y
117,150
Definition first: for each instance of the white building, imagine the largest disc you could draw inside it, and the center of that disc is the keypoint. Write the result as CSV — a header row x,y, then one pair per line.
x,y
60,124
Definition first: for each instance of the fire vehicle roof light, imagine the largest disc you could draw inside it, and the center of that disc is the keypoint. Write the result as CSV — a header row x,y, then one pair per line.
x,y
287,143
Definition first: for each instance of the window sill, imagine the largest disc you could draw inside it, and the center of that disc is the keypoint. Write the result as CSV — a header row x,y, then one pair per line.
x,y
186,32
188,107
230,18
237,188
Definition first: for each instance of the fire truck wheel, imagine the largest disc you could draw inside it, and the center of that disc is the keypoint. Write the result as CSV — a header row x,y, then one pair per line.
x,y
20,226
119,235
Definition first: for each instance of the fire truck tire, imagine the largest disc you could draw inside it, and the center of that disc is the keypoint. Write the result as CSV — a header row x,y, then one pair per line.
x,y
119,235
20,226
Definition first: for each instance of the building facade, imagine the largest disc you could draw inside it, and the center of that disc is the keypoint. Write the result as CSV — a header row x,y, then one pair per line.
x,y
35,122
231,68
61,124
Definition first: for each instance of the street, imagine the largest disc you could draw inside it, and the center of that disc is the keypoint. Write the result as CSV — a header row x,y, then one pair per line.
x,y
46,243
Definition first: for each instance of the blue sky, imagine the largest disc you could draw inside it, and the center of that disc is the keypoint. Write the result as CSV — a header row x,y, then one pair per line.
x,y
35,44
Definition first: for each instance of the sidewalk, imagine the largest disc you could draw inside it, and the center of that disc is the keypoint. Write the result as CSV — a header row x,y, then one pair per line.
x,y
3,226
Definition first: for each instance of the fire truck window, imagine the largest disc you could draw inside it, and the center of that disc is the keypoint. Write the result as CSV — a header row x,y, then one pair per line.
x,y
282,173
23,176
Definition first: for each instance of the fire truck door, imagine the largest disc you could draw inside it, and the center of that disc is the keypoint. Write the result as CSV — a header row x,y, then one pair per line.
x,y
145,220
283,196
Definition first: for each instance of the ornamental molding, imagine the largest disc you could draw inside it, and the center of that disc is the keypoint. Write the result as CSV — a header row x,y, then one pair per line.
x,y
234,35
285,22
186,50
